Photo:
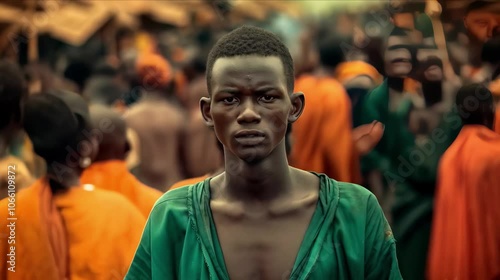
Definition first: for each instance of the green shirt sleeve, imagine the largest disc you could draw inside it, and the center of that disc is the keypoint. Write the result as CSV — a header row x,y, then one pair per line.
x,y
141,264
381,261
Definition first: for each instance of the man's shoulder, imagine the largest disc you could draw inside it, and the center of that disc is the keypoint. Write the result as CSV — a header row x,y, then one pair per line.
x,y
351,195
348,190
176,199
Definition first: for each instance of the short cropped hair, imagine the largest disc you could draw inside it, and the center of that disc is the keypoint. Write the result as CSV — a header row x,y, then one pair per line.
x,y
474,103
330,51
248,40
103,90
13,89
51,126
477,5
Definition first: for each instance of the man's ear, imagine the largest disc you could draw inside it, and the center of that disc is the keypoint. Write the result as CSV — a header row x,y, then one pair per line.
x,y
298,104
205,111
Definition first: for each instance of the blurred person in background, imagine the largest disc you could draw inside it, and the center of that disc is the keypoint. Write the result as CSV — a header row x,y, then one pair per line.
x,y
424,127
13,92
159,122
465,240
64,222
201,154
381,104
109,169
482,20
323,135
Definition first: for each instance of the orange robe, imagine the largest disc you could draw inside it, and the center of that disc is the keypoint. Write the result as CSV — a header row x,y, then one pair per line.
x,y
77,234
465,240
113,175
322,136
188,182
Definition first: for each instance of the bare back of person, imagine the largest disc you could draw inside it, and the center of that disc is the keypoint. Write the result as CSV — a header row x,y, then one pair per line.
x,y
200,141
159,125
261,241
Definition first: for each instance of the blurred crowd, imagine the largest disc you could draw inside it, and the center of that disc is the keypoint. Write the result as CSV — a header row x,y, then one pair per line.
x,y
380,89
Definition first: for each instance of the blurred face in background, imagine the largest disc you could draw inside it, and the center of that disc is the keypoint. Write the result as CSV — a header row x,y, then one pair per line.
x,y
482,24
430,63
398,56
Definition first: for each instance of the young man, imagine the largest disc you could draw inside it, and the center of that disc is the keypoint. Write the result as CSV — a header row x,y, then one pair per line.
x,y
465,241
261,218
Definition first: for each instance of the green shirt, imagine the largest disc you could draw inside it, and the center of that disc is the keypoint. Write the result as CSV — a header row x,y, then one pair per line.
x,y
348,238
376,107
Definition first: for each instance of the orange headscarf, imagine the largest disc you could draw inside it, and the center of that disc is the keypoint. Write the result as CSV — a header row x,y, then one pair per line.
x,y
154,70
351,69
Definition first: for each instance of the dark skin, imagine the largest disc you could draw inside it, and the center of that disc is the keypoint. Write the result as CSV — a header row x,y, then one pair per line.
x,y
114,144
63,175
261,206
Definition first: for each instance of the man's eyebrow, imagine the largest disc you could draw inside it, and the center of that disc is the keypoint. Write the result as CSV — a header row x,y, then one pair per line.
x,y
228,90
265,89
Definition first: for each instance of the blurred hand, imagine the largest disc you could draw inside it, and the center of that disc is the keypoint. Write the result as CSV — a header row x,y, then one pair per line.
x,y
433,9
367,136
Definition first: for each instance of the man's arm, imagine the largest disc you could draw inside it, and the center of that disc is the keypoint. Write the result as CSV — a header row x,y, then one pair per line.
x,y
380,246
140,268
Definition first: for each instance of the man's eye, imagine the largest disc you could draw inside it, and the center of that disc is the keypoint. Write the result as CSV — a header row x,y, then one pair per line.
x,y
267,98
229,100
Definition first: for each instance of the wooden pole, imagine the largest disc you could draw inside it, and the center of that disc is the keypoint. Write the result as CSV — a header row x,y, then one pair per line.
x,y
33,36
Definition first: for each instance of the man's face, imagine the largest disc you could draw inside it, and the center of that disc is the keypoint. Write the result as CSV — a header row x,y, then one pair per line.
x,y
398,58
482,24
250,105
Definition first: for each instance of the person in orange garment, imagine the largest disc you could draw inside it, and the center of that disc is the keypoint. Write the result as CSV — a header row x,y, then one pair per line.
x,y
323,134
109,169
494,87
57,228
358,79
465,241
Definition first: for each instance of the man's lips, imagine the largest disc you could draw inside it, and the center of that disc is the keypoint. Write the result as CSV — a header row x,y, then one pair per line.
x,y
249,133
401,60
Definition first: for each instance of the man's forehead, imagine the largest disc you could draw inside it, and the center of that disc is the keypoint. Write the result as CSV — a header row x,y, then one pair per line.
x,y
399,40
249,64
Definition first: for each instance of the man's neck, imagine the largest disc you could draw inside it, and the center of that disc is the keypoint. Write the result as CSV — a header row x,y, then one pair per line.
x,y
432,92
108,154
396,84
63,177
324,72
265,181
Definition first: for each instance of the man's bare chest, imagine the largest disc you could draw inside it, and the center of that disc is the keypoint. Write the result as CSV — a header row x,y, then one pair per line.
x,y
262,248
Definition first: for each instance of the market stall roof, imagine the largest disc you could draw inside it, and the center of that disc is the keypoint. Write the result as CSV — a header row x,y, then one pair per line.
x,y
74,22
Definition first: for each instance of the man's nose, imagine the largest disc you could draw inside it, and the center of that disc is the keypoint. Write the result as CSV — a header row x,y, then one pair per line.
x,y
492,29
249,113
